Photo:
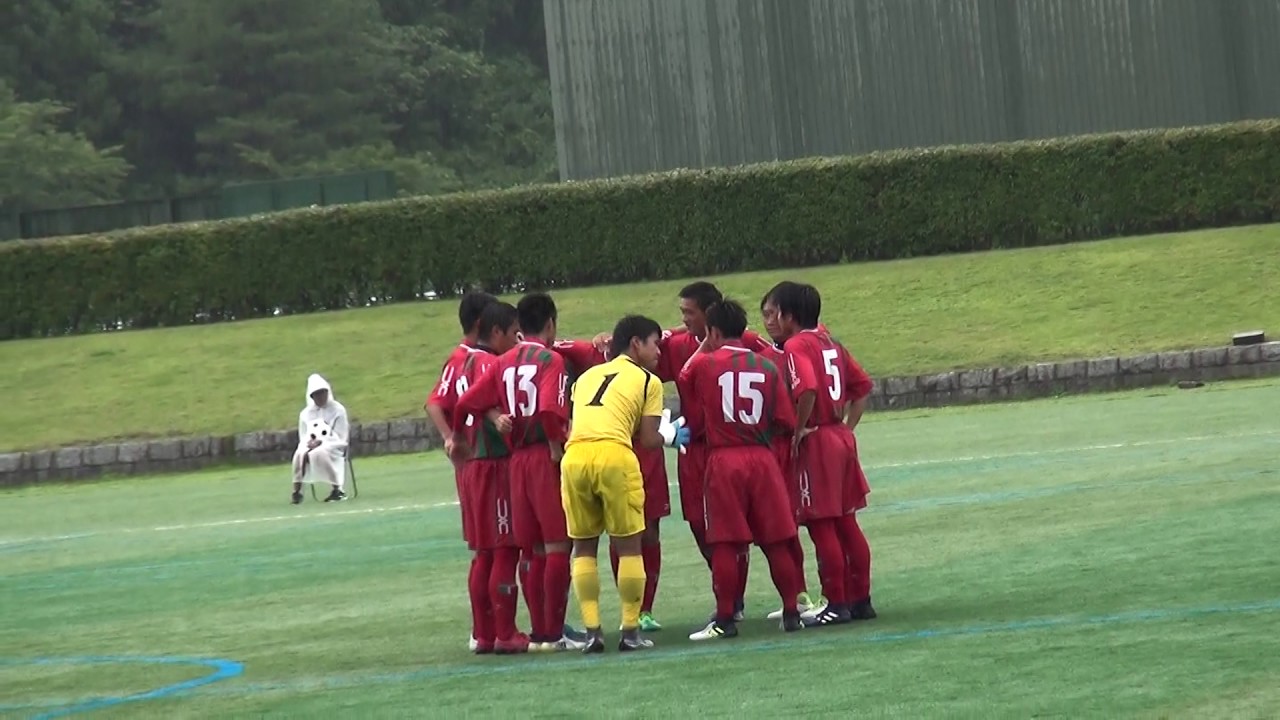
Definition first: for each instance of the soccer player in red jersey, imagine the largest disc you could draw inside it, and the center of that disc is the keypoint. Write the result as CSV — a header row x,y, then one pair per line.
x,y
830,390
737,399
580,355
487,489
529,386
452,383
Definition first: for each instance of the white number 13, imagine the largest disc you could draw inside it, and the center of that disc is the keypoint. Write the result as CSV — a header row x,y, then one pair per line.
x,y
747,388
526,374
836,388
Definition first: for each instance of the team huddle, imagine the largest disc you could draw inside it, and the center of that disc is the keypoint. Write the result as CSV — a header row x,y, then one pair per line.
x,y
555,443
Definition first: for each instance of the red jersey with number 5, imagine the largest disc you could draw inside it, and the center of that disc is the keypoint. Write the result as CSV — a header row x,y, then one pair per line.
x,y
736,397
816,362
528,382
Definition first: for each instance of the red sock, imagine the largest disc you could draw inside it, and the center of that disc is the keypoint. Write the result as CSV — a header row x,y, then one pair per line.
x,y
652,567
613,562
786,577
555,583
744,563
503,592
478,587
700,539
532,583
831,566
857,553
797,556
724,580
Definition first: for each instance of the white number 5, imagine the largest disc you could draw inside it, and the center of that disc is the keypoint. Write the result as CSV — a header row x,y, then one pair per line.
x,y
746,389
526,374
836,388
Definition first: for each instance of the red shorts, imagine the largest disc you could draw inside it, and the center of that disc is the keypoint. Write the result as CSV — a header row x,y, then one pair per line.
x,y
457,480
782,446
657,496
826,479
535,497
691,472
487,492
746,497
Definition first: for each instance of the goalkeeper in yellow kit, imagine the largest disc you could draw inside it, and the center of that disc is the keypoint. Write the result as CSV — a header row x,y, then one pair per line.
x,y
600,483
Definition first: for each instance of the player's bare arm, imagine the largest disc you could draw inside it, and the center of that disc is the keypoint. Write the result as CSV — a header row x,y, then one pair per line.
x,y
854,412
649,436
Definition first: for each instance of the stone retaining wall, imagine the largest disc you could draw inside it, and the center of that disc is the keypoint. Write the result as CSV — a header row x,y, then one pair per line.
x,y
417,434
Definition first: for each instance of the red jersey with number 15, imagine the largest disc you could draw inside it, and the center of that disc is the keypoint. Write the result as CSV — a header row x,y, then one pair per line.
x,y
736,397
815,361
529,384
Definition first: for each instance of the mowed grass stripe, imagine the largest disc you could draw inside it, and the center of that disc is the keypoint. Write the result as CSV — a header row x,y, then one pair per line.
x,y
1092,299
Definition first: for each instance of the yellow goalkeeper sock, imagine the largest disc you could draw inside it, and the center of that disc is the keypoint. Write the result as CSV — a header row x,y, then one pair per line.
x,y
631,588
586,585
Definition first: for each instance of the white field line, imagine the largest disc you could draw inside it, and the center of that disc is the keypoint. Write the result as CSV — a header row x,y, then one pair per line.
x,y
453,503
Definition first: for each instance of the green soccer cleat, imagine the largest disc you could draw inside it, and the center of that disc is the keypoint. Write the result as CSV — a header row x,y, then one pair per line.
x,y
648,624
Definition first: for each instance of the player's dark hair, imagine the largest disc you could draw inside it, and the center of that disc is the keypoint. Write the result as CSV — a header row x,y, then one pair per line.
x,y
729,317
497,315
632,327
785,285
802,302
703,293
472,305
535,311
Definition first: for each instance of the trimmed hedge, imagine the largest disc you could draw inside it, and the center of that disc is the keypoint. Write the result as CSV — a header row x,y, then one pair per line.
x,y
676,224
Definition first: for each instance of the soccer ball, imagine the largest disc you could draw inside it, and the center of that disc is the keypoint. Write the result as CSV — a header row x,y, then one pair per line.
x,y
319,430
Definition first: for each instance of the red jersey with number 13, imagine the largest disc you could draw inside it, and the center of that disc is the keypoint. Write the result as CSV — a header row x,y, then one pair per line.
x,y
529,384
736,397
815,361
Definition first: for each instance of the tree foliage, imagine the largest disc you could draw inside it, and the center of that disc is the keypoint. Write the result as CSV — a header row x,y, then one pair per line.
x,y
449,94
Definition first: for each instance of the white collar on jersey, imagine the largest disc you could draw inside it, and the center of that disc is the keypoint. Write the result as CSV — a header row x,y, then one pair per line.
x,y
734,348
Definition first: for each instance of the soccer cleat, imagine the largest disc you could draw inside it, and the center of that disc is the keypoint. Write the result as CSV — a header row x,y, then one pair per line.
x,y
472,643
830,615
483,648
804,602
336,496
740,610
716,629
862,610
514,645
648,624
565,644
813,611
594,643
296,498
631,641
791,622
573,633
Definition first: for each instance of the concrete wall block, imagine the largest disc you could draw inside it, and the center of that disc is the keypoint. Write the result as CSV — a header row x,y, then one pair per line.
x,y
1209,357
939,383
1270,352
1244,354
197,447
67,458
1177,360
164,450
37,460
1041,373
1010,375
970,379
10,463
1103,367
100,455
1137,364
131,452
896,386
1070,369
403,428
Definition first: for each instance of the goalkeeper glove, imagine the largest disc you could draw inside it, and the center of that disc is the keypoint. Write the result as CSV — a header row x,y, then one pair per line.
x,y
674,434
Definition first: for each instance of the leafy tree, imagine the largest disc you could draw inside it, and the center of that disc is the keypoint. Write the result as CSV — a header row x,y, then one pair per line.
x,y
43,166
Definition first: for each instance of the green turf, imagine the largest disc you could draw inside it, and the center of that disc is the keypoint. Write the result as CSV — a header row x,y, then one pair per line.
x,y
1087,557
1123,296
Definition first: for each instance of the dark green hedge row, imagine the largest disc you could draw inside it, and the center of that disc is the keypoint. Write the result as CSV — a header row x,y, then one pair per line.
x,y
677,224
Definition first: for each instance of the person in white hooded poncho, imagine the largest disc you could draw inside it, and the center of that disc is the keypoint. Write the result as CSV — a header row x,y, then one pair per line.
x,y
322,441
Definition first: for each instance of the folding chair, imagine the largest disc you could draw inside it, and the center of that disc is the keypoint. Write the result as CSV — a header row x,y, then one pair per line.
x,y
350,479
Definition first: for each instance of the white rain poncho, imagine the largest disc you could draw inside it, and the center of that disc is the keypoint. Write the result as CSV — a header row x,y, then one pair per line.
x,y
327,463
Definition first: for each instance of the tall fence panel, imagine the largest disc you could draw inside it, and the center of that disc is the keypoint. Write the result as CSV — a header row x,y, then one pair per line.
x,y
650,85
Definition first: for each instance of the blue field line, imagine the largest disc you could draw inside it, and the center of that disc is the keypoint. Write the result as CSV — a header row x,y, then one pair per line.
x,y
222,670
229,669
806,639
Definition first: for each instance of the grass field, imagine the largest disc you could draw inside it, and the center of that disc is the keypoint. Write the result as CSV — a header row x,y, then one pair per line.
x,y
1092,299
1085,557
